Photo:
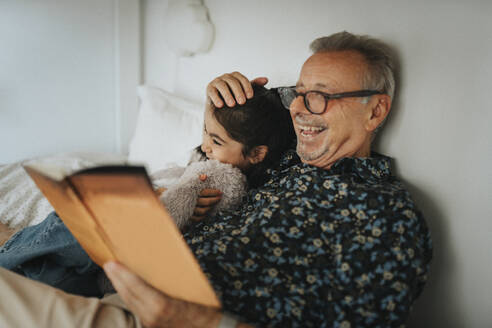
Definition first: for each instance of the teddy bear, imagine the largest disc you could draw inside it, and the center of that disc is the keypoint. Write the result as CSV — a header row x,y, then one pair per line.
x,y
184,186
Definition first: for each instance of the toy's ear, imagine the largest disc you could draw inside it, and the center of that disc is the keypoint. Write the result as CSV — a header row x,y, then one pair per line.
x,y
257,154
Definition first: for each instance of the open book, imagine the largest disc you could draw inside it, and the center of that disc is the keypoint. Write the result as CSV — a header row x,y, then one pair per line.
x,y
115,215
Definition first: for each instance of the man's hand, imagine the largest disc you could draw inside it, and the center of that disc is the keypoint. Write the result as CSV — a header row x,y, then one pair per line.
x,y
232,87
155,309
206,201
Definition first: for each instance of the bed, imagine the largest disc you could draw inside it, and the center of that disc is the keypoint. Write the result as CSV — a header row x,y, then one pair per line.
x,y
168,128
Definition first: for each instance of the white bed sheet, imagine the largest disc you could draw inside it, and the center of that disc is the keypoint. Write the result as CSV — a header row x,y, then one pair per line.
x,y
22,203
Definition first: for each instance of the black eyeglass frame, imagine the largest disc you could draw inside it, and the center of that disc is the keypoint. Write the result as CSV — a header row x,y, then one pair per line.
x,y
326,96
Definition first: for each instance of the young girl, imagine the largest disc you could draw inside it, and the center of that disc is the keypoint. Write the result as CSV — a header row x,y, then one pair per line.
x,y
251,137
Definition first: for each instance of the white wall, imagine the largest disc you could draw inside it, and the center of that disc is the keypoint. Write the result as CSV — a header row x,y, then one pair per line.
x,y
56,77
65,71
438,131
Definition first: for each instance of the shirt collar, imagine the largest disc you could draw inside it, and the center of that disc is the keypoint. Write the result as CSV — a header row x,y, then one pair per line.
x,y
376,166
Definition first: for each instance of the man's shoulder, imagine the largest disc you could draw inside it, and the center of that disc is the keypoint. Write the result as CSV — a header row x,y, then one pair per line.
x,y
313,181
332,191
351,182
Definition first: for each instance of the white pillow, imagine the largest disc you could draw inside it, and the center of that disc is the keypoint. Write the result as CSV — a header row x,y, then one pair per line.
x,y
22,203
168,128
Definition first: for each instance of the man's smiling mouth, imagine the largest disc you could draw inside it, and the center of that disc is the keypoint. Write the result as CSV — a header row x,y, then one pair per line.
x,y
310,131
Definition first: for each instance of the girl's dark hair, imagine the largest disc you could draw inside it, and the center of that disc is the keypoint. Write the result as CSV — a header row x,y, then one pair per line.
x,y
262,120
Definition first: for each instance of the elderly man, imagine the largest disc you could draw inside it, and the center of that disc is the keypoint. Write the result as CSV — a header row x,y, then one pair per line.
x,y
333,239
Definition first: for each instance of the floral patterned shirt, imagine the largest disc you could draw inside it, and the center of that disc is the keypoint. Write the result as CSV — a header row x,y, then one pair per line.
x,y
344,247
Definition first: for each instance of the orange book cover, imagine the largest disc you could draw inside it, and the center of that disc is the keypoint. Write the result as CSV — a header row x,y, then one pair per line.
x,y
115,214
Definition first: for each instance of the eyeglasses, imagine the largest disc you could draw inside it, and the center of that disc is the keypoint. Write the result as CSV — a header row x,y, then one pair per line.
x,y
316,101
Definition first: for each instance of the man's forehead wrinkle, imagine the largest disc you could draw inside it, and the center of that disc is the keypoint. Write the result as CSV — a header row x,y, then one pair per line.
x,y
333,87
333,72
321,82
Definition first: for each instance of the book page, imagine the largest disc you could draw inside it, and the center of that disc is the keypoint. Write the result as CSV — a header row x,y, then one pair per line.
x,y
141,233
73,214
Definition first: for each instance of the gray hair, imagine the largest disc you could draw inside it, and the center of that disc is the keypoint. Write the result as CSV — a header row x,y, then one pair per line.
x,y
379,56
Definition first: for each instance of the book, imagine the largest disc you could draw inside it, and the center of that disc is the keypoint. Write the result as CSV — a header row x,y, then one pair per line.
x,y
115,215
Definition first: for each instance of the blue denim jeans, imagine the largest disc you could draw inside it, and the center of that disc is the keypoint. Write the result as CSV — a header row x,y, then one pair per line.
x,y
48,252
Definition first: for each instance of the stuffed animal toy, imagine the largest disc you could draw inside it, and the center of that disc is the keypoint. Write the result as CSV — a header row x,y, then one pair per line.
x,y
184,187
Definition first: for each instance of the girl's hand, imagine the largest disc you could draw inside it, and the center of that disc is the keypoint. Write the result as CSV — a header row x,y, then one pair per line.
x,y
230,88
206,201
154,308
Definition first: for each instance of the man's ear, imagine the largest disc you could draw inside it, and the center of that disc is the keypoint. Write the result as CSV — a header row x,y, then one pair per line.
x,y
378,112
257,154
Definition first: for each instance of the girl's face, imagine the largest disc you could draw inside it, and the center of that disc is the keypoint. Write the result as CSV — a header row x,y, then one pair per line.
x,y
217,144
